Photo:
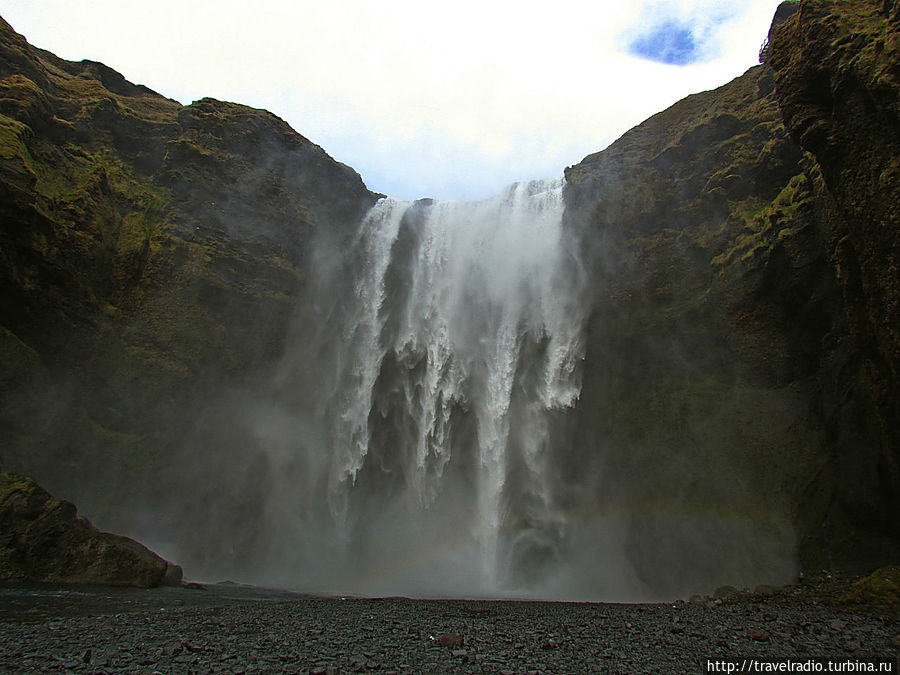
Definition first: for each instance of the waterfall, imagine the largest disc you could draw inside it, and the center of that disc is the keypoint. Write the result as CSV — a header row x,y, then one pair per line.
x,y
452,337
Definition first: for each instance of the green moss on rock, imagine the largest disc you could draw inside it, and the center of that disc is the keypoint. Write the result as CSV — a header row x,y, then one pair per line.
x,y
12,133
881,588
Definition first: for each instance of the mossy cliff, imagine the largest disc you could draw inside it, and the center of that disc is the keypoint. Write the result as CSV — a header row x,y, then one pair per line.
x,y
151,255
838,80
739,349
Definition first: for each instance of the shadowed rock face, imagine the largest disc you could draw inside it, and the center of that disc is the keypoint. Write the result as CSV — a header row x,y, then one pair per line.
x,y
43,539
740,348
151,255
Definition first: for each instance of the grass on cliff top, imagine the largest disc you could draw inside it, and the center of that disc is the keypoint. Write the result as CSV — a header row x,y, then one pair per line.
x,y
83,90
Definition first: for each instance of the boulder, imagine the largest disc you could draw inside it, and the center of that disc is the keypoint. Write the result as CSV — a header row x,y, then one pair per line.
x,y
882,587
43,539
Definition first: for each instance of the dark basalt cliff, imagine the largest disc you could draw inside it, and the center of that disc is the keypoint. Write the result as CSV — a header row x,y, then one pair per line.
x,y
151,255
740,250
745,292
711,290
838,82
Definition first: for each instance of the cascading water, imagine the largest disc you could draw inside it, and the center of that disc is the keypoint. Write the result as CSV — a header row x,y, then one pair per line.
x,y
454,336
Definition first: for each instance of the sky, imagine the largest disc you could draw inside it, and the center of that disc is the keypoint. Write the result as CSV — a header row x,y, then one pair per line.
x,y
452,100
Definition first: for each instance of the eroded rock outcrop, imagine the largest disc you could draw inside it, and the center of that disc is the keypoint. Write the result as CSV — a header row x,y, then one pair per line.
x,y
43,539
712,291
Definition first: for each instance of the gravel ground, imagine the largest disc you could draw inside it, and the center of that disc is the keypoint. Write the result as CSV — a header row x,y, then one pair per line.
x,y
238,630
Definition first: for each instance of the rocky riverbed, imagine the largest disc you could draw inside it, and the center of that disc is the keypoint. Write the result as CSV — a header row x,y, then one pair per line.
x,y
230,629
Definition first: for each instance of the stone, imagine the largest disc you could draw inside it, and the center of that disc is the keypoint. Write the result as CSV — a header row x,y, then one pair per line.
x,y
725,592
450,640
758,635
172,648
44,539
173,575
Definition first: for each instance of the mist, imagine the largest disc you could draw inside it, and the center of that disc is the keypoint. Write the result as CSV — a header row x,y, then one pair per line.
x,y
439,339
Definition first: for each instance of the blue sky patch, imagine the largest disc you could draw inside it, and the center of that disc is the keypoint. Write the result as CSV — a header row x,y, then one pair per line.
x,y
668,42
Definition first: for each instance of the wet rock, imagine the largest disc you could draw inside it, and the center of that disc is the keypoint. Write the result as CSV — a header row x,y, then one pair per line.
x,y
361,662
172,649
450,640
238,636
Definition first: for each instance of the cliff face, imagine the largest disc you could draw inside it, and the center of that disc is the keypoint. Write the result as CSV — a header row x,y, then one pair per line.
x,y
740,344
151,255
838,81
711,292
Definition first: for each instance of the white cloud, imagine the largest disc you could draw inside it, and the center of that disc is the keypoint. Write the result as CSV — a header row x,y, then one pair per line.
x,y
449,100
